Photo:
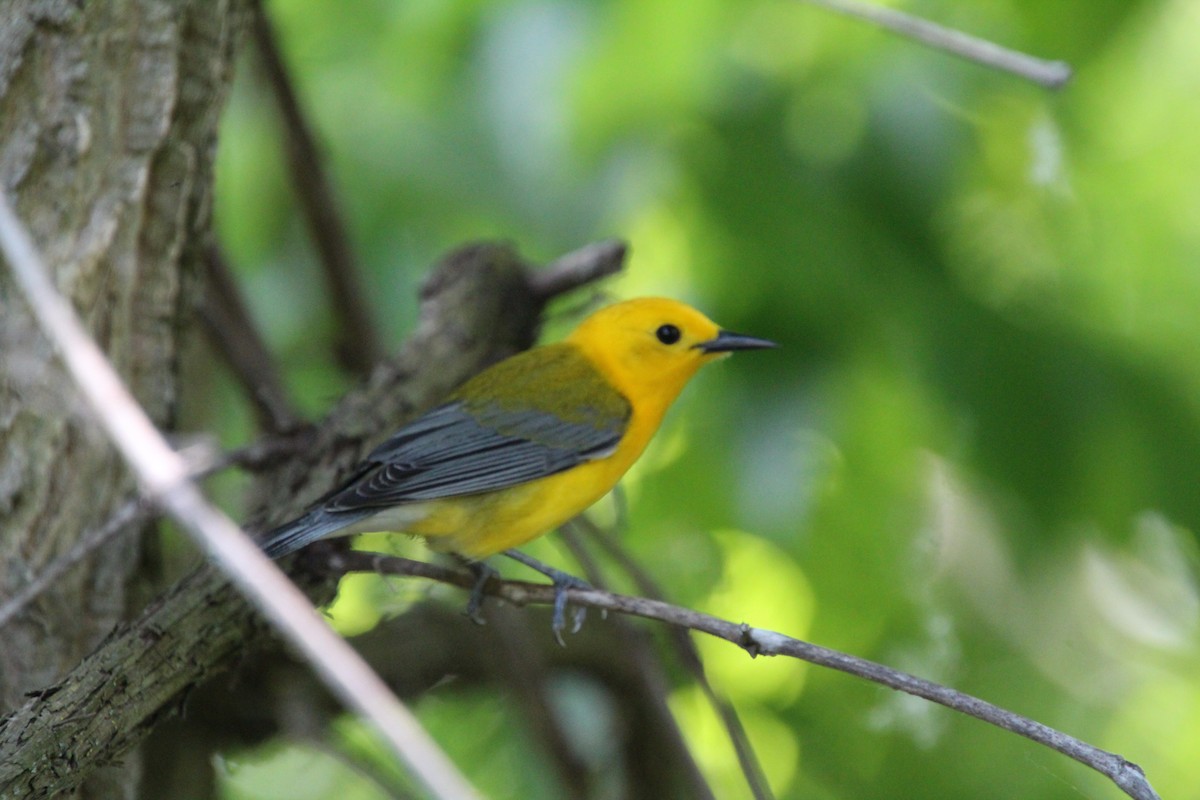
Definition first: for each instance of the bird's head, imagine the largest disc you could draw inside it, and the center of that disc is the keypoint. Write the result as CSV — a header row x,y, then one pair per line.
x,y
651,347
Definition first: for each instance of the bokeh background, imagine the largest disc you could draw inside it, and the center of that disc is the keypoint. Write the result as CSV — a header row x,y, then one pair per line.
x,y
975,457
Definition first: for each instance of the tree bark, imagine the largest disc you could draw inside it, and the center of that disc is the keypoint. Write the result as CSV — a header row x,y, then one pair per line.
x,y
108,118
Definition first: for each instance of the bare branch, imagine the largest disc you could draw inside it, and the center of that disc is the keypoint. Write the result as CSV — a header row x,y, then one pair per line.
x,y
164,476
228,324
358,346
131,512
1050,74
579,267
1128,776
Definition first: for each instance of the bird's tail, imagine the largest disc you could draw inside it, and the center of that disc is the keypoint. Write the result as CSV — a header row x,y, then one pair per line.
x,y
305,529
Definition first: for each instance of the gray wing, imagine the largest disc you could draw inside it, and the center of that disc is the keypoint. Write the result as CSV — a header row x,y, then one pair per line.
x,y
450,452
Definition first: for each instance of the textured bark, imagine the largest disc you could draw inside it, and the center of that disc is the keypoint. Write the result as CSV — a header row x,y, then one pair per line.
x,y
108,116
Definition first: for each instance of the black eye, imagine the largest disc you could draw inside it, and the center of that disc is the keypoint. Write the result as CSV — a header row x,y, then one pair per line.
x,y
667,334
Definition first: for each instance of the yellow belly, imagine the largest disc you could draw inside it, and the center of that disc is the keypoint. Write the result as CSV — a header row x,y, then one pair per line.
x,y
478,526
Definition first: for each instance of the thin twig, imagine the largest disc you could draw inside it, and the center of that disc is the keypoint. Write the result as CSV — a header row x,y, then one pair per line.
x,y
130,512
164,477
230,328
687,653
358,347
266,452
1128,776
1050,74
136,510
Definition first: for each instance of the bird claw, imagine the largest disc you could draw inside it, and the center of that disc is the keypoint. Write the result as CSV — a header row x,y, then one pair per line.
x,y
483,574
558,622
562,583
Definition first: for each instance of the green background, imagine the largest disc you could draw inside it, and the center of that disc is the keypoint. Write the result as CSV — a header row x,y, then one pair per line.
x,y
976,455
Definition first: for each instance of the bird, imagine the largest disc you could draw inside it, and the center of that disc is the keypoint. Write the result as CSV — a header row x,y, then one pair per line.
x,y
528,443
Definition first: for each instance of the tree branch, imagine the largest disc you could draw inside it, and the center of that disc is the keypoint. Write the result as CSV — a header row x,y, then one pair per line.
x,y
1050,74
1128,776
229,327
586,265
132,512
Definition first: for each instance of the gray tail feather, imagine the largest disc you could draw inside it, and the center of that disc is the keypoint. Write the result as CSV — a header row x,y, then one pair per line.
x,y
305,529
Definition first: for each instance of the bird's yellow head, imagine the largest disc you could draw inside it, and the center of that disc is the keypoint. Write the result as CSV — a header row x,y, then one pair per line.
x,y
650,347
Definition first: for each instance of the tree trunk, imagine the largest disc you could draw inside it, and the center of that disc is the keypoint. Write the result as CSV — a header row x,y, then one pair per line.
x,y
108,118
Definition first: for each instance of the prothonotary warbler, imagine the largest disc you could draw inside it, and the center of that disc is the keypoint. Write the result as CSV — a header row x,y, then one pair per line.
x,y
528,443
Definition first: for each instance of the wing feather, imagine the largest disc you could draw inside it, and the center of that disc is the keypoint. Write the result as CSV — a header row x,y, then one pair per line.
x,y
468,446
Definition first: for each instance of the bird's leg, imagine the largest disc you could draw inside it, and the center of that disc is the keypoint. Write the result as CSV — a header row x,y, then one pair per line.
x,y
562,581
483,573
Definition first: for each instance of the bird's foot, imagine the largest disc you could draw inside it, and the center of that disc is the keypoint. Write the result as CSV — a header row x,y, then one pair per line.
x,y
562,582
483,573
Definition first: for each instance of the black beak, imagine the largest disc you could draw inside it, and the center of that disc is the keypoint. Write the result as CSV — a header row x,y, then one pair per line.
x,y
728,341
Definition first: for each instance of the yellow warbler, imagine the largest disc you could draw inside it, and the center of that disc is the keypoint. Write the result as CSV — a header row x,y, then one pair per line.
x,y
528,443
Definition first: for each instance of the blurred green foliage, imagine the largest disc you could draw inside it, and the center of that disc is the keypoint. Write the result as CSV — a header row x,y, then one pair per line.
x,y
977,454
